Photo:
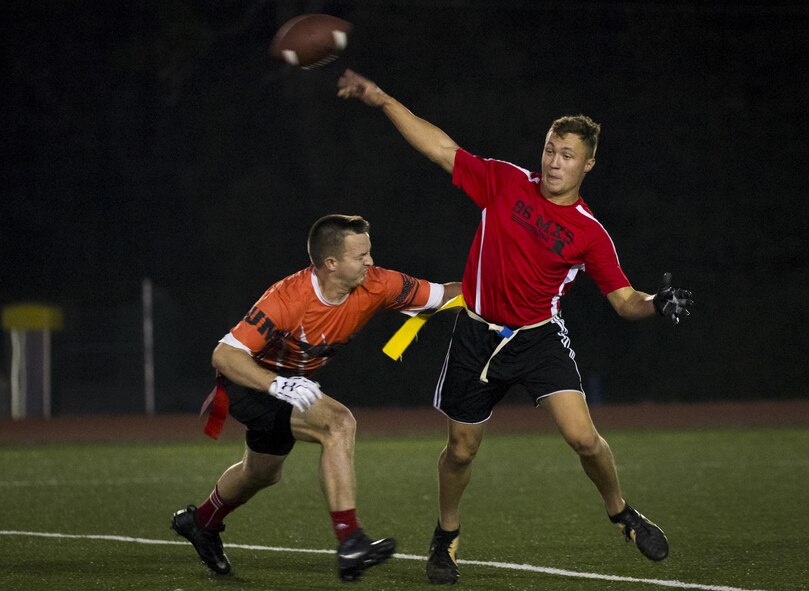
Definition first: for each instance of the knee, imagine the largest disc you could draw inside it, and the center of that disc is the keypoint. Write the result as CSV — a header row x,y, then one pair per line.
x,y
341,425
585,443
460,453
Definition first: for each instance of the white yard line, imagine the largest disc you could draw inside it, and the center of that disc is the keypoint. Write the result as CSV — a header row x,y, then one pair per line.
x,y
492,564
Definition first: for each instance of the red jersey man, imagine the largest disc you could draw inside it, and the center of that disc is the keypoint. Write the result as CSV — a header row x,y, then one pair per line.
x,y
535,235
264,366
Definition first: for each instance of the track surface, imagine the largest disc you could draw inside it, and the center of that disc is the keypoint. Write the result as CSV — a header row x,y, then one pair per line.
x,y
507,418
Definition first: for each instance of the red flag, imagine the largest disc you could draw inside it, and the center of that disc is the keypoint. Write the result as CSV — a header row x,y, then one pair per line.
x,y
219,403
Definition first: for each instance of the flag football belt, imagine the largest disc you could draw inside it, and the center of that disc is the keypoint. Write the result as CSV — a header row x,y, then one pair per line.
x,y
402,338
503,331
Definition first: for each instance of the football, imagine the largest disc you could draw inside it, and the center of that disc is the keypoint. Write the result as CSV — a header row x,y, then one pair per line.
x,y
310,40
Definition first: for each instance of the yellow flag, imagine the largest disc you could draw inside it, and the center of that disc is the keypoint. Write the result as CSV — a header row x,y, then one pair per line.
x,y
402,338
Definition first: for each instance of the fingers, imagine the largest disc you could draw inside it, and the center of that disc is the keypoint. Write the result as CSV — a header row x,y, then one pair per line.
x,y
298,391
312,388
671,302
298,404
308,396
308,392
680,310
350,85
666,281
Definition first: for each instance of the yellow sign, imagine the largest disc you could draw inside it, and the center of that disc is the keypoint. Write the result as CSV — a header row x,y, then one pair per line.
x,y
32,317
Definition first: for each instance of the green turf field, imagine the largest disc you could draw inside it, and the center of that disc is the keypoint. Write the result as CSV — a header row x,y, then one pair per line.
x,y
732,502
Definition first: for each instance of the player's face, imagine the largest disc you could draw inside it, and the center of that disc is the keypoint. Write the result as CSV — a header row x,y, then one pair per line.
x,y
352,267
565,161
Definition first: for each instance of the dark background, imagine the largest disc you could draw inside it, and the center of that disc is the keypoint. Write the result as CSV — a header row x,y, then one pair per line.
x,y
157,139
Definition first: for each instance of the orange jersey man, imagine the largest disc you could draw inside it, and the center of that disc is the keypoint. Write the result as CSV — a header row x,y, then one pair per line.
x,y
264,365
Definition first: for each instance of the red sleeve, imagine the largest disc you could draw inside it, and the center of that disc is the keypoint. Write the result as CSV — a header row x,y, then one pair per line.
x,y
601,263
471,174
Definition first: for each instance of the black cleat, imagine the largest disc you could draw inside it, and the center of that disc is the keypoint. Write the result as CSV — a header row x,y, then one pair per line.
x,y
358,553
206,540
442,568
650,539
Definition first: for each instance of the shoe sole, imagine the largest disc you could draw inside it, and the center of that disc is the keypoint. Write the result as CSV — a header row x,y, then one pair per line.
x,y
437,581
442,577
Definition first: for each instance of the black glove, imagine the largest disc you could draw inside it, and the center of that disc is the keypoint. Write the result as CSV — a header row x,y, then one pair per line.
x,y
671,302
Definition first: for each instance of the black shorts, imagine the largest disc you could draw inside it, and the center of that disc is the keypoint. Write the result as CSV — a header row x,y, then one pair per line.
x,y
266,418
539,361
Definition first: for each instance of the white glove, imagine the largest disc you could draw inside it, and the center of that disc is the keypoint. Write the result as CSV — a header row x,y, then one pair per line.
x,y
300,392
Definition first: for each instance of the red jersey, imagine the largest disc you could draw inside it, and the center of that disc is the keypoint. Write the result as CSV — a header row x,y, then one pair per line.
x,y
293,330
527,250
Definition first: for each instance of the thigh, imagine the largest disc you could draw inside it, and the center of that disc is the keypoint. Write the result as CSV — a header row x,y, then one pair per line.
x,y
569,411
545,361
463,398
266,418
459,393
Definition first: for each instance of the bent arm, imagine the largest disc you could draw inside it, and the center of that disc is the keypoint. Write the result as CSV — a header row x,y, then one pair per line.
x,y
425,137
631,304
239,367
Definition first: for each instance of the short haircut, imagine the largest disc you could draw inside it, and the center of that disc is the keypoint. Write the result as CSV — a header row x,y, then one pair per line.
x,y
327,236
584,127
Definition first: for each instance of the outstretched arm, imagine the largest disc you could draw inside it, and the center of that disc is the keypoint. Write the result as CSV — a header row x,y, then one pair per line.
x,y
422,135
631,304
669,302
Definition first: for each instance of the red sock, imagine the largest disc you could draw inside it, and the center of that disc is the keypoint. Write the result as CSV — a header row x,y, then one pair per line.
x,y
344,523
214,510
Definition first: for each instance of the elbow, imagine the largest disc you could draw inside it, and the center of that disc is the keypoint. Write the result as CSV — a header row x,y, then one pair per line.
x,y
444,156
218,358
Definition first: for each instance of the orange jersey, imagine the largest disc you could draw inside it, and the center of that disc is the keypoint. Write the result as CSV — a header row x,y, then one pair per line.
x,y
293,330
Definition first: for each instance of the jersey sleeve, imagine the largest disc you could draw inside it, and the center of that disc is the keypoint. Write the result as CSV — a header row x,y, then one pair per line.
x,y
265,321
601,263
484,179
471,174
403,292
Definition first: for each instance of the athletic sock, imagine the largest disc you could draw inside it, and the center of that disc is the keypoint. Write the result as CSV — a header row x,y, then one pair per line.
x,y
344,523
213,511
445,536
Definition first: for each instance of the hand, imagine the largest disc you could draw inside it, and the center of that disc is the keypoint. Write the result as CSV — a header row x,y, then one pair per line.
x,y
672,302
300,392
352,85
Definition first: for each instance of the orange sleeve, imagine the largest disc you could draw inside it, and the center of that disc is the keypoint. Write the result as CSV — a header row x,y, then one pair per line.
x,y
403,291
271,317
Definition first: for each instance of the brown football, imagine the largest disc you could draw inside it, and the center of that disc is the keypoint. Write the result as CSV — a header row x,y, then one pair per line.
x,y
310,40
